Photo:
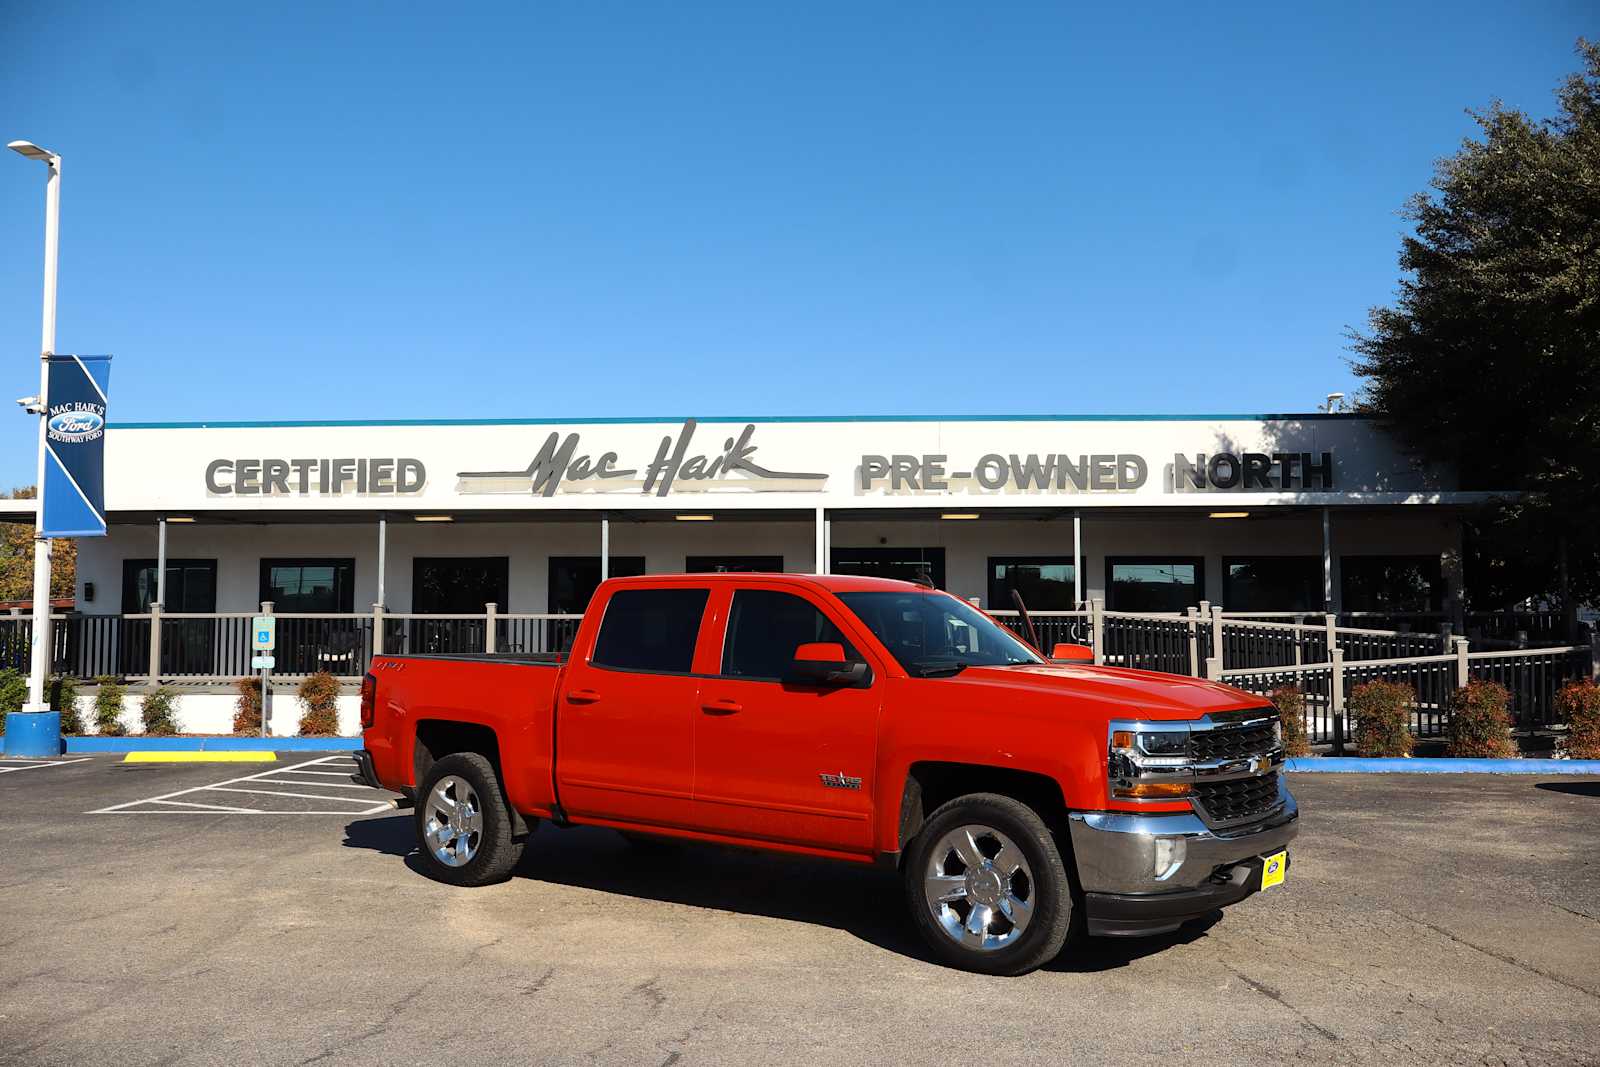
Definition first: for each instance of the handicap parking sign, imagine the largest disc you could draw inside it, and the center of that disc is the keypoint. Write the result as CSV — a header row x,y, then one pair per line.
x,y
263,633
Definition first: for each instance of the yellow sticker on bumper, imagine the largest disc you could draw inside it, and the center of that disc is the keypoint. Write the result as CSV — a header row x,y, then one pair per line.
x,y
1273,868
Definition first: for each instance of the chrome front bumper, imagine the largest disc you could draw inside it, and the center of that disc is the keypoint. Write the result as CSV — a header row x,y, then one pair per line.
x,y
1128,853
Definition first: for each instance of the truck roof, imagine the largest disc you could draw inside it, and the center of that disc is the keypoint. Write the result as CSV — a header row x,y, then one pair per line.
x,y
836,583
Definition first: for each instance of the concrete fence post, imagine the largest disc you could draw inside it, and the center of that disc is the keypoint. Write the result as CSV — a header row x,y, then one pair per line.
x,y
488,631
1194,643
1336,699
155,644
1216,632
1097,628
1331,623
1214,668
377,629
1463,665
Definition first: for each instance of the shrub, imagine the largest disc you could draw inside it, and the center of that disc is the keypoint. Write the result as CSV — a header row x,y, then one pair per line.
x,y
64,698
247,712
108,707
13,694
1382,714
157,713
1579,703
319,695
1291,704
1480,722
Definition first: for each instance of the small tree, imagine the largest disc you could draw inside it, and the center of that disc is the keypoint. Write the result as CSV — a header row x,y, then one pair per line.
x,y
1480,722
157,713
13,694
1291,704
108,707
319,696
1579,703
64,698
247,710
1382,713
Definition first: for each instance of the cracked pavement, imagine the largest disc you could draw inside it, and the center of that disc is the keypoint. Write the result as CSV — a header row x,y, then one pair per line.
x,y
1437,919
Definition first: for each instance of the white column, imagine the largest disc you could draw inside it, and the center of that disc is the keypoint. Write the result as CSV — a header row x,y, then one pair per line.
x,y
383,558
822,541
1077,558
161,561
605,546
39,665
1327,562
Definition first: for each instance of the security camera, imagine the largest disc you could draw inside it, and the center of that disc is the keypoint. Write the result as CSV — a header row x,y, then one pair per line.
x,y
31,404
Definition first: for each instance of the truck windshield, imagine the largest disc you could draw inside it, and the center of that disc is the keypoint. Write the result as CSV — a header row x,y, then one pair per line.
x,y
935,633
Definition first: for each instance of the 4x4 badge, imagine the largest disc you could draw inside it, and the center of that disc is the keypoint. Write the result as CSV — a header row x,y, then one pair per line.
x,y
840,781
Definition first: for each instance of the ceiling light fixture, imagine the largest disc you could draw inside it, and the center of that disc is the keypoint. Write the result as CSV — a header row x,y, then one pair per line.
x,y
1230,514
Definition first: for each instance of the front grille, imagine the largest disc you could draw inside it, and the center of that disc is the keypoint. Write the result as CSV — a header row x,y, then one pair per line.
x,y
1233,742
1237,799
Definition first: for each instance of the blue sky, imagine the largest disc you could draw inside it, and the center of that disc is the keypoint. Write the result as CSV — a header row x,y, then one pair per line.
x,y
323,211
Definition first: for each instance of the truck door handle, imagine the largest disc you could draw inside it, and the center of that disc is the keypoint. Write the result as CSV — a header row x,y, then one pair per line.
x,y
583,696
722,707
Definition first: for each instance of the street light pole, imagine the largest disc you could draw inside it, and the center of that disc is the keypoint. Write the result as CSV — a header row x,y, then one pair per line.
x,y
40,664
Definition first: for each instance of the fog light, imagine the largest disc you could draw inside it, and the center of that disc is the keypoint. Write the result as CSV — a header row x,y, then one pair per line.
x,y
1170,854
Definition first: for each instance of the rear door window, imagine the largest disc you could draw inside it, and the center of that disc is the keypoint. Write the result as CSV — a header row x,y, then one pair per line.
x,y
764,629
650,630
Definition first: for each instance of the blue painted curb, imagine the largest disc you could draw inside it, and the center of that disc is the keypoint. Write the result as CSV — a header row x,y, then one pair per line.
x,y
1443,765
212,744
33,733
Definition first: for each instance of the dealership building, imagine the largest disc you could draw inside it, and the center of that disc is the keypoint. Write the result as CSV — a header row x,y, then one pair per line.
x,y
1258,513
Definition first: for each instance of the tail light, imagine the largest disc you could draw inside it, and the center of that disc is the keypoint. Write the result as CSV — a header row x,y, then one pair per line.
x,y
369,700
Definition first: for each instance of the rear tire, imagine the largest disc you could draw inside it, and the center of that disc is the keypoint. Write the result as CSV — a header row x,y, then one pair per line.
x,y
463,824
987,886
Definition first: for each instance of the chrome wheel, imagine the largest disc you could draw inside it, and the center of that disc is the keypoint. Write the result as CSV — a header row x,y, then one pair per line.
x,y
454,826
979,887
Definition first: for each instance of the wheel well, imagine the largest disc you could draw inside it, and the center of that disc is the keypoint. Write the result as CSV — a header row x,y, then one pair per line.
x,y
438,738
930,785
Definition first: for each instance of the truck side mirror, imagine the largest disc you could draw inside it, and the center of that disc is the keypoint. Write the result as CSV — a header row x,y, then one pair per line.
x,y
823,663
1066,653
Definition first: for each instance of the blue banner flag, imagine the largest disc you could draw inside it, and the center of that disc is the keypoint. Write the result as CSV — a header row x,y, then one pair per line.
x,y
72,500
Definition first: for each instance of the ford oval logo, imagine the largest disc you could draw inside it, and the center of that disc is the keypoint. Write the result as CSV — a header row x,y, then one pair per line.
x,y
76,425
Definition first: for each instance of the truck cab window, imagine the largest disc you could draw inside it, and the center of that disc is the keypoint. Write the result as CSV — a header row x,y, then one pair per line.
x,y
650,630
764,629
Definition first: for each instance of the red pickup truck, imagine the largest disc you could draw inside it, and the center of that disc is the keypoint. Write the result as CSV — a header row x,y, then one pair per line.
x,y
860,719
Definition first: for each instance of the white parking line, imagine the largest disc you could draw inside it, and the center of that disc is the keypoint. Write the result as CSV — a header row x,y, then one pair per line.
x,y
33,765
251,781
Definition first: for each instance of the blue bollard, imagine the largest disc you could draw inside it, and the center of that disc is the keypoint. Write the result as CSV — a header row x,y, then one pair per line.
x,y
33,733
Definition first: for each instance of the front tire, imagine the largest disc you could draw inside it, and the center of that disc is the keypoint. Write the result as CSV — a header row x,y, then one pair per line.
x,y
987,886
463,824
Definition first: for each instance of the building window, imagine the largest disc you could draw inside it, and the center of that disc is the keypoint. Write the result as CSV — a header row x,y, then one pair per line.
x,y
459,585
903,563
1403,584
650,630
573,580
320,586
1272,583
191,585
764,629
1154,583
1045,582
733,564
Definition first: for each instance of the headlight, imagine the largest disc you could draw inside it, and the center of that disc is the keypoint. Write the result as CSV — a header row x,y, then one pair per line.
x,y
1166,743
1149,764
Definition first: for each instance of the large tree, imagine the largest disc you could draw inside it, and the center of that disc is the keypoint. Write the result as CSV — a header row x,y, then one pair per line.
x,y
1490,357
16,560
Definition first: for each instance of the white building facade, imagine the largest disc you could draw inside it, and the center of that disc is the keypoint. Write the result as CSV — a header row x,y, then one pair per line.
x,y
1271,513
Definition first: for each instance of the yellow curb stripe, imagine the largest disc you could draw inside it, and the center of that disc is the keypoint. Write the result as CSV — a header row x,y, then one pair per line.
x,y
199,757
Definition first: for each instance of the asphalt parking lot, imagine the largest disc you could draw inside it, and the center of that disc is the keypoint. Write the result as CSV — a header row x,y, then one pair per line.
x,y
1436,919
